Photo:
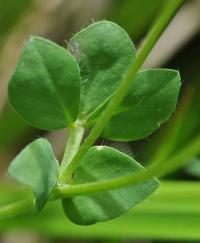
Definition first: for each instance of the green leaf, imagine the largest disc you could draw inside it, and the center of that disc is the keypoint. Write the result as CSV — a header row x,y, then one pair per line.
x,y
45,88
104,163
37,167
149,103
104,52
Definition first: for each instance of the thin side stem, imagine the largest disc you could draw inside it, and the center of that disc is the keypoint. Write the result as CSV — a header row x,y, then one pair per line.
x,y
125,85
154,170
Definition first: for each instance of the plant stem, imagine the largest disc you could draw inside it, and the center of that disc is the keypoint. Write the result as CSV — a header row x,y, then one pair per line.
x,y
154,170
75,136
125,85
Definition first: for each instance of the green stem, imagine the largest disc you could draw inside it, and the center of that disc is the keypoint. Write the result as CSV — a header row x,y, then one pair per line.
x,y
75,136
154,170
125,85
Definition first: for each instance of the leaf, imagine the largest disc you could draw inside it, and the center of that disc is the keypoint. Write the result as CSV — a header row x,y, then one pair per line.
x,y
103,163
104,52
149,103
37,167
45,88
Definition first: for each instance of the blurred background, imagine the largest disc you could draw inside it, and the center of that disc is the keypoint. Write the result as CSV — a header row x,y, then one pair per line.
x,y
171,214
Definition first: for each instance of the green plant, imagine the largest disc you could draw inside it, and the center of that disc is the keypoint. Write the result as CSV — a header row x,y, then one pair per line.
x,y
96,84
